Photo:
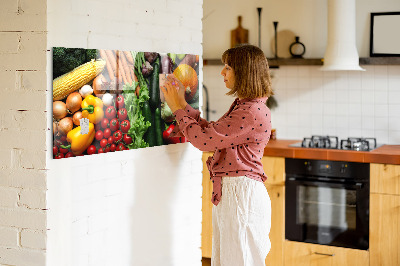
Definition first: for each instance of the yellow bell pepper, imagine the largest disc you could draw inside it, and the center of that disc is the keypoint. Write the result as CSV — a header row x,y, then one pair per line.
x,y
92,108
79,142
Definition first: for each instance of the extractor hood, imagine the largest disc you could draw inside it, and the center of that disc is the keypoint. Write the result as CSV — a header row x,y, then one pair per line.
x,y
341,51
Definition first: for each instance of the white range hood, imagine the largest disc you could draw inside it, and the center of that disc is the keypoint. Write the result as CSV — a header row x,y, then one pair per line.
x,y
341,51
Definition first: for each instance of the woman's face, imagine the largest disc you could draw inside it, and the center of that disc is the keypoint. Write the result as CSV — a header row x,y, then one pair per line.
x,y
229,76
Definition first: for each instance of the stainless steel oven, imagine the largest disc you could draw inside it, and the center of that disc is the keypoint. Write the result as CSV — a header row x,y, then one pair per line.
x,y
327,202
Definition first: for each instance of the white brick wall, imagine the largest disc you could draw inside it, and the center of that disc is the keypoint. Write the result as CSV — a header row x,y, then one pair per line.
x,y
98,207
23,132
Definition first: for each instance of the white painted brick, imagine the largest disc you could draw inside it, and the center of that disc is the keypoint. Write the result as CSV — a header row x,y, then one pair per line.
x,y
8,6
33,159
31,56
23,218
9,42
23,139
35,120
98,222
33,199
18,256
33,239
22,100
23,178
23,22
5,159
8,197
7,80
9,237
31,80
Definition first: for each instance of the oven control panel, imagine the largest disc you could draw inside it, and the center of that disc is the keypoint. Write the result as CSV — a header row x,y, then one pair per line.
x,y
338,169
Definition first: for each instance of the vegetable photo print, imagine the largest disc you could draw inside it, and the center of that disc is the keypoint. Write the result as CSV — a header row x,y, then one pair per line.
x,y
110,100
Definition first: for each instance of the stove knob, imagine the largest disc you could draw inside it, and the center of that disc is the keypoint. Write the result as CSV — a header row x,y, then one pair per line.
x,y
343,168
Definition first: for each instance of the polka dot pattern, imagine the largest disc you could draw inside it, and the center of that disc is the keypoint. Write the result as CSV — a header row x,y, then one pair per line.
x,y
238,139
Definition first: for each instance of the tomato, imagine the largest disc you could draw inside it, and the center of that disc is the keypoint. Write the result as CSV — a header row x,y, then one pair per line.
x,y
113,147
107,133
122,114
69,154
110,112
62,150
174,140
99,135
107,149
110,140
101,150
55,150
125,126
91,149
114,124
127,139
103,143
121,147
120,102
117,136
59,156
104,123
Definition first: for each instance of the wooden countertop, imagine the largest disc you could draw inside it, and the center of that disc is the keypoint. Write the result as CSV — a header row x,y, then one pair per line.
x,y
389,154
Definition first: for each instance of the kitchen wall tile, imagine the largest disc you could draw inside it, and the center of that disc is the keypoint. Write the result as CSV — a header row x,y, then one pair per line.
x,y
304,82
342,122
368,122
394,71
394,123
342,80
355,109
381,123
329,109
355,122
381,136
367,110
367,96
355,132
315,72
380,84
291,71
317,107
394,136
328,74
380,71
354,80
304,72
394,83
394,97
355,96
381,97
382,110
292,82
342,109
367,82
329,122
394,110
342,96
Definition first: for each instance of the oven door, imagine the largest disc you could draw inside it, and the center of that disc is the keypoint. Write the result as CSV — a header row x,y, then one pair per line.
x,y
327,213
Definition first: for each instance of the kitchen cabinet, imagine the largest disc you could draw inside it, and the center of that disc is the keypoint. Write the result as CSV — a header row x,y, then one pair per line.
x,y
274,168
385,214
305,254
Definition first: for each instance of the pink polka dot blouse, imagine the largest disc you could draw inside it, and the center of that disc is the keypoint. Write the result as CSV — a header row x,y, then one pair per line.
x,y
238,140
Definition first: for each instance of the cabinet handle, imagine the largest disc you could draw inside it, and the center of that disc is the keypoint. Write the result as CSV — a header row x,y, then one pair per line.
x,y
325,254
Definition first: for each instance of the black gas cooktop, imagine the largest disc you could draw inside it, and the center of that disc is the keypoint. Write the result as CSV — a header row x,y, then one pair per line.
x,y
332,142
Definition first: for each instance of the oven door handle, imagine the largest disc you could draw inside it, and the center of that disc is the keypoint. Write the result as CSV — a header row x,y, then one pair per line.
x,y
357,185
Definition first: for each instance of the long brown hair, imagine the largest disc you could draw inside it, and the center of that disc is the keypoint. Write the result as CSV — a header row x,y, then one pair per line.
x,y
250,66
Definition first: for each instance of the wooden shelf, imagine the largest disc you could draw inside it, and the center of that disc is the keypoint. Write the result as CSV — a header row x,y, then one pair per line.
x,y
274,63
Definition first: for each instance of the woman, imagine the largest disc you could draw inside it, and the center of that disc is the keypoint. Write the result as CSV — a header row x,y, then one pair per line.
x,y
242,209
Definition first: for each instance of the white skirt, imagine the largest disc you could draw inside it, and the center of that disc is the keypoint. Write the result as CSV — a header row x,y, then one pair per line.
x,y
241,223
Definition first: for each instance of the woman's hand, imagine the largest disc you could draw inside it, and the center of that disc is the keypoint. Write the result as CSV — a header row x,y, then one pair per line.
x,y
174,93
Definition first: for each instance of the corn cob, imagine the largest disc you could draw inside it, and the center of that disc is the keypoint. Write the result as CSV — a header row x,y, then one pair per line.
x,y
75,79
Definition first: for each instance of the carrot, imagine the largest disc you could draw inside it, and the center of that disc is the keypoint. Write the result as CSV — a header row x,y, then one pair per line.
x,y
113,61
108,64
129,57
121,67
126,68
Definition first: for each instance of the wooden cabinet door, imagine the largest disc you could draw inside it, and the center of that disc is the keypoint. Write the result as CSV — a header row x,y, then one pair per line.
x,y
206,232
274,168
277,233
305,254
385,178
384,236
